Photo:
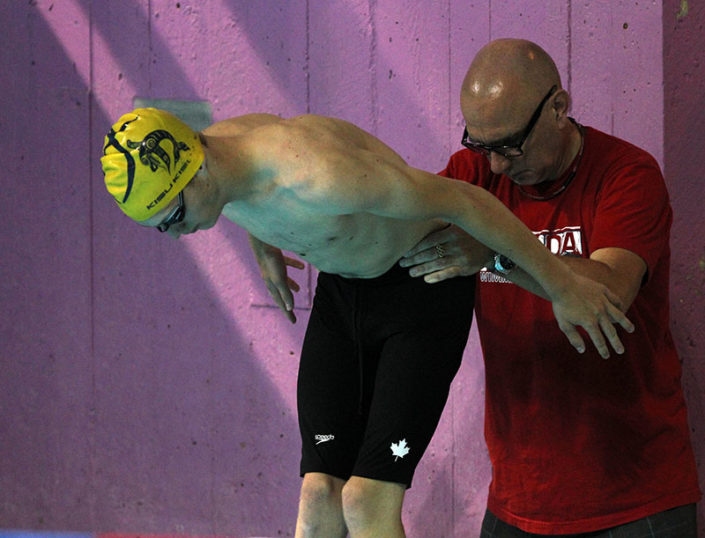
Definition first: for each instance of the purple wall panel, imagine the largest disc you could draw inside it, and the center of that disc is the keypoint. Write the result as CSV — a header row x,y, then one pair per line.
x,y
45,270
252,57
178,38
684,137
637,39
469,31
593,57
412,80
611,90
340,61
546,23
143,390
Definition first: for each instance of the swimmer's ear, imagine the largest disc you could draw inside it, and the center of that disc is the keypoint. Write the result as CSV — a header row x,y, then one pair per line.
x,y
201,170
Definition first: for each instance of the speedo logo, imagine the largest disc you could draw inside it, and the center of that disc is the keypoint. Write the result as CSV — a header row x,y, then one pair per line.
x,y
323,438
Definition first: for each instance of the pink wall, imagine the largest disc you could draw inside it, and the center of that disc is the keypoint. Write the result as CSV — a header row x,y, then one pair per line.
x,y
684,138
143,389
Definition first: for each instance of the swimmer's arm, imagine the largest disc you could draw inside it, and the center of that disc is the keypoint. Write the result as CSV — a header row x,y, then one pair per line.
x,y
359,181
272,265
622,271
365,182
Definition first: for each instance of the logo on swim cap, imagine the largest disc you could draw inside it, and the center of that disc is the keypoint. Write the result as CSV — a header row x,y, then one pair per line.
x,y
149,156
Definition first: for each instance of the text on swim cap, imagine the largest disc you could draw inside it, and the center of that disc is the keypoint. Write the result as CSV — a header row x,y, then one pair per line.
x,y
162,194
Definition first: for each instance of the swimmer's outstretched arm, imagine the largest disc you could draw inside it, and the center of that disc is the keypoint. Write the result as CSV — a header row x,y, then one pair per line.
x,y
359,181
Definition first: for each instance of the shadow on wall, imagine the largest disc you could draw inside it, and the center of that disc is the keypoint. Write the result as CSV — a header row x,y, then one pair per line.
x,y
135,400
204,431
45,281
219,438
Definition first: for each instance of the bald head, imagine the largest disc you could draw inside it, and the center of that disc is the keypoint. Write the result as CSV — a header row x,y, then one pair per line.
x,y
512,98
506,77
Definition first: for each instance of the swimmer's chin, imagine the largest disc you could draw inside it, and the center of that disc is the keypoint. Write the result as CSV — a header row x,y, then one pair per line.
x,y
202,226
187,232
206,225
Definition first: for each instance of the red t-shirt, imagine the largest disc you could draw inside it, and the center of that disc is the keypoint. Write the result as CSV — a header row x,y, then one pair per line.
x,y
578,443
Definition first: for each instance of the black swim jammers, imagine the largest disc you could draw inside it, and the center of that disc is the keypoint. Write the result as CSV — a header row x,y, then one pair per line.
x,y
377,362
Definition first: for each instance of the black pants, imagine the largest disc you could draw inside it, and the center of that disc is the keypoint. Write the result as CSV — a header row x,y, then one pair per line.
x,y
675,523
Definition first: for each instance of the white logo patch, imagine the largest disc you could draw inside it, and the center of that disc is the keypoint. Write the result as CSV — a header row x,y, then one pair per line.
x,y
400,449
566,241
323,438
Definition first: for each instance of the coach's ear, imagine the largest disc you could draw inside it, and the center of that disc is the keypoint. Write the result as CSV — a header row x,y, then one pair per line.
x,y
560,105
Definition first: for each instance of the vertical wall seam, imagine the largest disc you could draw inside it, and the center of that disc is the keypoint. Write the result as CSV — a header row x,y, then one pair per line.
x,y
150,60
449,80
307,75
449,86
612,86
307,60
489,20
570,48
664,104
93,405
372,66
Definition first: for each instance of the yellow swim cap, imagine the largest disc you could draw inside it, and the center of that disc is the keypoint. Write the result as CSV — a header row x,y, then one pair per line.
x,y
149,156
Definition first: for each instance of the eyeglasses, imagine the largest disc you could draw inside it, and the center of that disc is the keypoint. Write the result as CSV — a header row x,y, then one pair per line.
x,y
176,216
512,150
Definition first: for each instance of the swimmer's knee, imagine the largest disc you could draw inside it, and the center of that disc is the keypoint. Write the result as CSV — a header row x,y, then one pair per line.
x,y
320,509
320,489
366,500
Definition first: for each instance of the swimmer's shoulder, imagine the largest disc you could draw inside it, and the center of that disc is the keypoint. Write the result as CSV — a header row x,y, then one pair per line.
x,y
241,124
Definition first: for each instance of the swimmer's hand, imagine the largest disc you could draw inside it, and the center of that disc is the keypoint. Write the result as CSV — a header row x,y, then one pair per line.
x,y
583,302
272,265
596,309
